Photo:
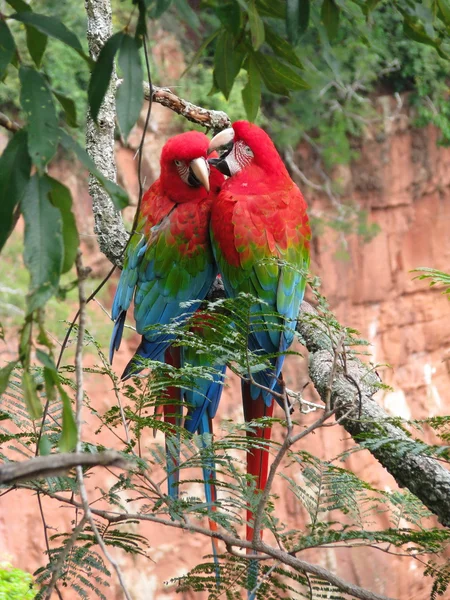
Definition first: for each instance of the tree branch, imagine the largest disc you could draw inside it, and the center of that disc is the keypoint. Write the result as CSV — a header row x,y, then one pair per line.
x,y
108,224
211,119
8,124
425,477
55,464
233,542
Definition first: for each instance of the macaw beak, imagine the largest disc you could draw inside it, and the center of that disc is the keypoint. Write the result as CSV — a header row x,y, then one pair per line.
x,y
199,172
224,139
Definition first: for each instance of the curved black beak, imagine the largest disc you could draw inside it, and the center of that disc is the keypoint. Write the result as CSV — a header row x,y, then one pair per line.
x,y
221,164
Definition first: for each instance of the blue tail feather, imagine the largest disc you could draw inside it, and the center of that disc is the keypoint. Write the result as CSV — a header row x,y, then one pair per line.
x,y
117,333
147,351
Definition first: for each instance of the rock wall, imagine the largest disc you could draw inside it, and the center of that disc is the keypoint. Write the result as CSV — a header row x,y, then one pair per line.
x,y
403,179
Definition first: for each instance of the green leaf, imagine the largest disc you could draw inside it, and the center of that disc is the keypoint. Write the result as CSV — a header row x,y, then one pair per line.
x,y
278,77
19,5
227,63
256,26
330,17
251,94
30,396
5,374
25,340
118,195
44,250
45,446
282,48
101,73
229,14
50,380
15,168
52,27
68,439
7,48
37,102
159,8
46,360
444,7
268,75
61,197
130,94
415,32
369,6
269,8
187,14
303,16
36,44
69,107
292,20
200,51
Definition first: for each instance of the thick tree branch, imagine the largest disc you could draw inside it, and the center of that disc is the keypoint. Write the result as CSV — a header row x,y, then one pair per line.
x,y
352,392
108,224
56,464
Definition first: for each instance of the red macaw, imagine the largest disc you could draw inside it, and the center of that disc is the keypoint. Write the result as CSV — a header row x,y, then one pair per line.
x,y
169,261
260,235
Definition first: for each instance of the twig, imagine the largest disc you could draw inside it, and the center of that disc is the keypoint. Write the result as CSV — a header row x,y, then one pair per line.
x,y
8,124
82,273
62,557
277,554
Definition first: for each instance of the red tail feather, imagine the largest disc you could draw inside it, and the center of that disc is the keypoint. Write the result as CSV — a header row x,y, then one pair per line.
x,y
257,458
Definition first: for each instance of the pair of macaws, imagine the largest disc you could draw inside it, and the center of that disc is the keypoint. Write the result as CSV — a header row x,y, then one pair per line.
x,y
252,228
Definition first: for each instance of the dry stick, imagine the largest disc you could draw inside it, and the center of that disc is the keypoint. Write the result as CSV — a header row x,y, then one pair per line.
x,y
62,557
6,122
228,540
55,464
82,274
47,543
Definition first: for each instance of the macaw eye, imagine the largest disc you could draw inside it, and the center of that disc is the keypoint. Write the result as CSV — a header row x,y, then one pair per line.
x,y
178,163
248,151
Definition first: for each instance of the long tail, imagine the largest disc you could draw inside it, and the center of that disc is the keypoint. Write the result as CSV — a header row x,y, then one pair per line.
x,y
172,416
256,406
203,401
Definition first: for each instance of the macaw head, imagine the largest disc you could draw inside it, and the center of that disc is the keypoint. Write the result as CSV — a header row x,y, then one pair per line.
x,y
184,168
246,146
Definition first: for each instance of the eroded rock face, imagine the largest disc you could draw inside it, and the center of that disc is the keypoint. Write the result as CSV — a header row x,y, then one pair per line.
x,y
402,178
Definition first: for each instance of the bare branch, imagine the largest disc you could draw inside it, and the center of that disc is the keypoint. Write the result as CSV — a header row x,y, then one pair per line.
x,y
211,119
56,464
82,274
233,542
8,124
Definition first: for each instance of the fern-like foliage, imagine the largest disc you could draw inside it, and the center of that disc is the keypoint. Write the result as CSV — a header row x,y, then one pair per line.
x,y
435,277
341,510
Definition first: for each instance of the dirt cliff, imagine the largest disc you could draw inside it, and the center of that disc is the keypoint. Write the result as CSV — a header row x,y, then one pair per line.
x,y
402,179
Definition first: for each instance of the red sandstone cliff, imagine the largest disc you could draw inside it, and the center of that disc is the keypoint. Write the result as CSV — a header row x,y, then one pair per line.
x,y
403,179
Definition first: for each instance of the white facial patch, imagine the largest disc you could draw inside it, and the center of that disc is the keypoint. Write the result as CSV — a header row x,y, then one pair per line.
x,y
183,170
239,157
